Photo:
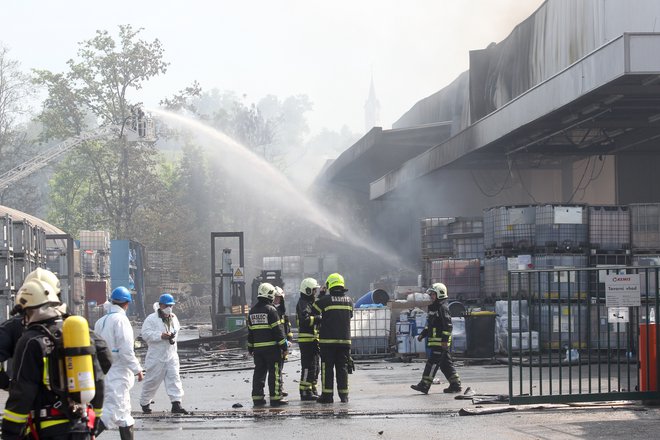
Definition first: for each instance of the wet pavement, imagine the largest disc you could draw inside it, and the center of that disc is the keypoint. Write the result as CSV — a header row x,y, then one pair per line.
x,y
382,406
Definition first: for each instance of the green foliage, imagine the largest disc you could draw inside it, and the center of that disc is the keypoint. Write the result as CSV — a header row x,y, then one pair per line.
x,y
108,183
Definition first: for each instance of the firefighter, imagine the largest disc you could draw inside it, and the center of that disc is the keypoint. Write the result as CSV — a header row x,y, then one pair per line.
x,y
38,396
268,345
438,330
159,330
308,339
336,310
116,329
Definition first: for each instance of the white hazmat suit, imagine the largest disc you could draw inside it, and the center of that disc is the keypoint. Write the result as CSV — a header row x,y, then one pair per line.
x,y
116,329
162,360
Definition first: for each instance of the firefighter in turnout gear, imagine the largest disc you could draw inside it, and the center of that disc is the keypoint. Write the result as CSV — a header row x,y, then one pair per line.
x,y
308,339
268,345
438,330
336,310
41,401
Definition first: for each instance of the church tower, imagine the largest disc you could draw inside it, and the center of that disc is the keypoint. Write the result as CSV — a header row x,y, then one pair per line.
x,y
371,109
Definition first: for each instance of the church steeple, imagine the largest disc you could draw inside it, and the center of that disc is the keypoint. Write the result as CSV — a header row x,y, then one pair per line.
x,y
371,108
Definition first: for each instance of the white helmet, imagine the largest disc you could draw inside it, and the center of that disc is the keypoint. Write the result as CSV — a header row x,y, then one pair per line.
x,y
35,293
308,285
279,291
266,290
46,276
439,289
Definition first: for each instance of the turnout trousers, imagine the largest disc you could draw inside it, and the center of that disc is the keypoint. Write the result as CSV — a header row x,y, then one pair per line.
x,y
440,359
309,365
267,363
334,357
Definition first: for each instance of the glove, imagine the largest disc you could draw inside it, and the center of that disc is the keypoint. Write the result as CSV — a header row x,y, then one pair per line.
x,y
350,365
420,337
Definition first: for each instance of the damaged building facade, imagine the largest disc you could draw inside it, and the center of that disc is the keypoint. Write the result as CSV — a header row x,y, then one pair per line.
x,y
565,110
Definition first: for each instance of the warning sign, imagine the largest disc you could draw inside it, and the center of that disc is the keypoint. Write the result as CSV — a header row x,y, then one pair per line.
x,y
239,275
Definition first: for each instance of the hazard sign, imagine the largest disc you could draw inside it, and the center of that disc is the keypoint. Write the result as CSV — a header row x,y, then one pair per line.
x,y
239,275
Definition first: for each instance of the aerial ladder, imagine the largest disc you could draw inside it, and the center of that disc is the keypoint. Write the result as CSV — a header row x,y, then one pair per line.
x,y
142,129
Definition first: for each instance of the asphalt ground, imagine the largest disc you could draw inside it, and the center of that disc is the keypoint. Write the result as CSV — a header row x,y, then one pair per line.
x,y
382,406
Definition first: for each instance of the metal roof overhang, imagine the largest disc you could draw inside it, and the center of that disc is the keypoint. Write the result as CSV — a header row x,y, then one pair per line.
x,y
605,103
380,150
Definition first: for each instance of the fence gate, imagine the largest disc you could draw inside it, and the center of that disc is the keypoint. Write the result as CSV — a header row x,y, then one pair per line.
x,y
582,335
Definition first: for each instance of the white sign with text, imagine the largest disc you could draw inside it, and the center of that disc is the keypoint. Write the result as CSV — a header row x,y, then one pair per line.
x,y
622,290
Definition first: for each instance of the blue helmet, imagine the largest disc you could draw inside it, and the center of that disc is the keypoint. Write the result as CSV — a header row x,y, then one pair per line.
x,y
121,294
166,299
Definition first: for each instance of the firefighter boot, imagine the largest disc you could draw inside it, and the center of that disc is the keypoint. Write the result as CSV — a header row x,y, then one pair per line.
x,y
178,409
307,396
126,432
454,387
146,409
100,427
325,398
278,402
343,398
421,387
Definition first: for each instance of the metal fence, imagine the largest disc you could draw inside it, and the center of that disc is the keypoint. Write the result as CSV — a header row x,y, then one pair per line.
x,y
587,351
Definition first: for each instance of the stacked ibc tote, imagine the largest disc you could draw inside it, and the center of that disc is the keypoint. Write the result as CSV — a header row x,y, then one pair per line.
x,y
452,251
95,264
22,249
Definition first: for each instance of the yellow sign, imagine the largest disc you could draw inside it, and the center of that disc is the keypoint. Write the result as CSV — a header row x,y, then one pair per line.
x,y
239,275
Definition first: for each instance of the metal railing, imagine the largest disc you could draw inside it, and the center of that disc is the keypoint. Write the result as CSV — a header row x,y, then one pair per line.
x,y
571,347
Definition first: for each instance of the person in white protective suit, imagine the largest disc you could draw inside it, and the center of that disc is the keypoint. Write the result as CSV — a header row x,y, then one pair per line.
x,y
116,329
162,361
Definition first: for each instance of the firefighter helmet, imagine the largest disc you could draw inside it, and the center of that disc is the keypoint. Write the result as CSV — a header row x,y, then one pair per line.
x,y
334,280
36,293
46,276
439,289
121,295
308,285
266,291
279,291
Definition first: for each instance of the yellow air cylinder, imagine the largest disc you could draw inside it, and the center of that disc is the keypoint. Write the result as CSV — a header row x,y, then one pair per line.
x,y
78,359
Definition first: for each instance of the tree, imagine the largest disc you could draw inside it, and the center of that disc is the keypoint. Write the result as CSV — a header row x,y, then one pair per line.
x,y
16,146
118,177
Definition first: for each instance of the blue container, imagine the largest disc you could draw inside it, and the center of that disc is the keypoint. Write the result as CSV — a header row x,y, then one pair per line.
x,y
377,296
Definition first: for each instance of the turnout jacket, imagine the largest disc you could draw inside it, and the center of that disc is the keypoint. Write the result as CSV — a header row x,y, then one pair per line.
x,y
265,329
438,325
284,319
336,309
308,319
36,391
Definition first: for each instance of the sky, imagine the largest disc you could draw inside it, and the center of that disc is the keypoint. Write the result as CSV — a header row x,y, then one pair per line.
x,y
327,50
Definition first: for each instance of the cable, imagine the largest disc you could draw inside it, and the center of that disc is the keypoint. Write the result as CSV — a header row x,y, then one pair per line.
x,y
522,182
584,174
506,180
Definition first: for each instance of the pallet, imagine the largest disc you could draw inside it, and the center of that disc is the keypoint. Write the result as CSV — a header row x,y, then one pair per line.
x,y
598,251
646,251
577,250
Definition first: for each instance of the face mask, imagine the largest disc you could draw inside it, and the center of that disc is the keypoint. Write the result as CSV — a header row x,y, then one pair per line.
x,y
167,311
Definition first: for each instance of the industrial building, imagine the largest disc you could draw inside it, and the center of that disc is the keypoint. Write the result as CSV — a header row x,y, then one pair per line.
x,y
564,111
